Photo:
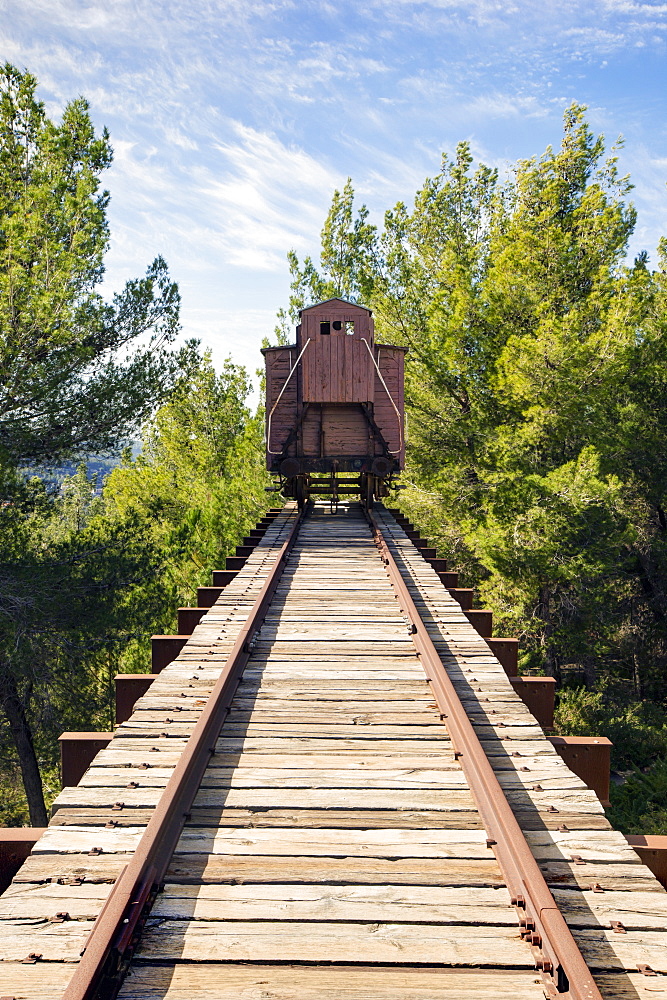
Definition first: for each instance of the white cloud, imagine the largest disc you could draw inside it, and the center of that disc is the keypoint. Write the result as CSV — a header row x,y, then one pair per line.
x,y
266,195
233,120
648,173
499,105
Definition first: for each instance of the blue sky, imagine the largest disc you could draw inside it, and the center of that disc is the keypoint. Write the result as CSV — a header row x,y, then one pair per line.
x,y
233,121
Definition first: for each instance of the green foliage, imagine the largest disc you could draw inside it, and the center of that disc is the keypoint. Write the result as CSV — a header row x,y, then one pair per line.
x,y
200,481
73,378
70,570
535,394
13,805
638,805
537,414
638,731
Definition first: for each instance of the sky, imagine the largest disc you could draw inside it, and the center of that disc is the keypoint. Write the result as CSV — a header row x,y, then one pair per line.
x,y
233,121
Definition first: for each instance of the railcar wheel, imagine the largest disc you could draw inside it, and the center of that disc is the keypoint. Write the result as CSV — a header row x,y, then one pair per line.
x,y
367,490
301,492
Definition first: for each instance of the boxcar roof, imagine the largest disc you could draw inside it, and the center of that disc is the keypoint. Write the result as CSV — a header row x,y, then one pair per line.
x,y
344,302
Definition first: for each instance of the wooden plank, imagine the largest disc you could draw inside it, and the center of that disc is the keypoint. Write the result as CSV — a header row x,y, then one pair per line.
x,y
191,868
36,902
635,910
300,798
333,823
394,843
423,904
356,819
40,981
55,942
333,942
226,981
319,778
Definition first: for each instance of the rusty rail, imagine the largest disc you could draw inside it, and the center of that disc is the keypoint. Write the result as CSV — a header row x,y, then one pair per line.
x,y
115,934
542,924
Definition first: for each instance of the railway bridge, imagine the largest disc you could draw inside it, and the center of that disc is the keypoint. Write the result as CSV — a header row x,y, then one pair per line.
x,y
332,791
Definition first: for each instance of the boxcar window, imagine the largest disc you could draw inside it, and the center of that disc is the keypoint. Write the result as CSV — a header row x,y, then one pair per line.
x,y
325,328
346,325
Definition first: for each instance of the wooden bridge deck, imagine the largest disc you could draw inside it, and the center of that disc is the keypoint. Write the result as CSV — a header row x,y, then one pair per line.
x,y
334,848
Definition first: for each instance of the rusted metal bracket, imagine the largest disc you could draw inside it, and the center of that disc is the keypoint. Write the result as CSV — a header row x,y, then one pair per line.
x,y
542,925
377,433
116,931
295,430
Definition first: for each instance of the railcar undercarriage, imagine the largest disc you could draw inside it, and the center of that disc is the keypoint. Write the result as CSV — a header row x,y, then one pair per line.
x,y
335,407
336,484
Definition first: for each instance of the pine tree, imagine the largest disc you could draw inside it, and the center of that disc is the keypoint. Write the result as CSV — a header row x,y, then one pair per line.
x,y
72,378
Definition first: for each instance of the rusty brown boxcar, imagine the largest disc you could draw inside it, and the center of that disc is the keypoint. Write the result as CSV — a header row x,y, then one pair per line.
x,y
334,406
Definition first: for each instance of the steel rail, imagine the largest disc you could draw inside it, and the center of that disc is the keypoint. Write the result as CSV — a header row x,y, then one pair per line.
x,y
542,924
115,934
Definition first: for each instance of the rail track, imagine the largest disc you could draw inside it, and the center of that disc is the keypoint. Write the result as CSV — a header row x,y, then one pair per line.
x,y
332,791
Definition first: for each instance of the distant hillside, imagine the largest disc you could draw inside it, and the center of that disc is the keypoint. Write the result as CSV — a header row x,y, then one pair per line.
x,y
96,465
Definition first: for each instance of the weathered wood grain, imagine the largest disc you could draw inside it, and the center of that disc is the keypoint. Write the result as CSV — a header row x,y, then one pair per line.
x,y
334,824
267,941
215,981
422,904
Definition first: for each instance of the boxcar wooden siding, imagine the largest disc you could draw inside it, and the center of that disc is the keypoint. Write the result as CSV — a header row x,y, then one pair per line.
x,y
390,361
336,377
331,431
336,367
279,361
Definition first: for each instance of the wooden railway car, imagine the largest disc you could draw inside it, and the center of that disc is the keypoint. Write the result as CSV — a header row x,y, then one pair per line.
x,y
334,406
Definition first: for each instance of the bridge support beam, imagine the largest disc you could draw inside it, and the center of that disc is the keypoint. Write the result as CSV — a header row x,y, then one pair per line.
x,y
481,620
164,649
506,651
652,849
77,752
538,695
129,689
233,563
189,618
207,596
462,595
16,843
590,759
